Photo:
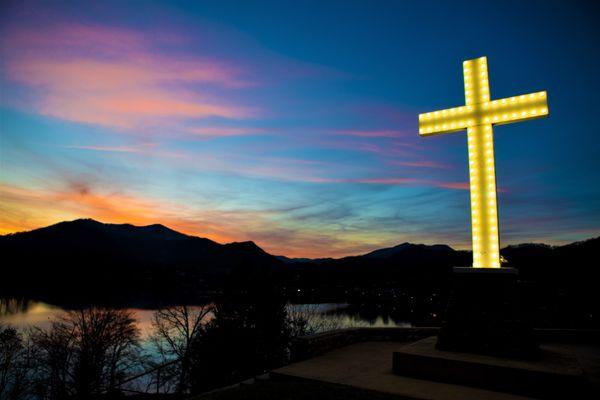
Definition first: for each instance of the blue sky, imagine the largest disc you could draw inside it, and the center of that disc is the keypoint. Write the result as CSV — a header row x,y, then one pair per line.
x,y
293,124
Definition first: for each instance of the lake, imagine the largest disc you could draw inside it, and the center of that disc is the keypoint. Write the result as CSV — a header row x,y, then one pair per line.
x,y
24,313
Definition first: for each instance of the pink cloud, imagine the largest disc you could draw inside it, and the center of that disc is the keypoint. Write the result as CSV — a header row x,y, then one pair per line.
x,y
116,149
453,185
208,132
385,133
420,164
389,181
132,110
118,78
134,71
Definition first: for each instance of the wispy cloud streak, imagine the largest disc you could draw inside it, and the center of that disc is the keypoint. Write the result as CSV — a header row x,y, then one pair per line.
x,y
118,78
384,133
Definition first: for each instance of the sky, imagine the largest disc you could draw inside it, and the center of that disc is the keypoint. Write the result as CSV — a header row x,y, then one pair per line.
x,y
293,124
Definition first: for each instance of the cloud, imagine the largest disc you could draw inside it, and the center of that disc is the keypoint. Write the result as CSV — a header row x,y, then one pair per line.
x,y
362,145
208,132
399,181
452,185
420,164
118,78
146,149
373,133
141,148
416,181
388,181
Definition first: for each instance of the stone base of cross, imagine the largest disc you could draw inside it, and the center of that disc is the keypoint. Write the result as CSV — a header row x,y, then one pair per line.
x,y
486,315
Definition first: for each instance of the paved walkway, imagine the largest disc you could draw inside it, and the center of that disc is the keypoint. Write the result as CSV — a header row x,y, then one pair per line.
x,y
369,366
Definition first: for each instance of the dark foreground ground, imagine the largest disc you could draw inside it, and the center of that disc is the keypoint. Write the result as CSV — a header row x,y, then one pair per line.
x,y
274,390
270,389
364,371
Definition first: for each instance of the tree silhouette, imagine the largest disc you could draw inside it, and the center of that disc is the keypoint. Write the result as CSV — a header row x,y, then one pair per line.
x,y
175,331
16,364
247,335
87,352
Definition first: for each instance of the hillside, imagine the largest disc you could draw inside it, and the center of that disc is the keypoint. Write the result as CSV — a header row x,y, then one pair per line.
x,y
87,258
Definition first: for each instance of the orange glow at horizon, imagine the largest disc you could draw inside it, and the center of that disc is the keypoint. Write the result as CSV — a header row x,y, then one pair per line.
x,y
26,209
48,207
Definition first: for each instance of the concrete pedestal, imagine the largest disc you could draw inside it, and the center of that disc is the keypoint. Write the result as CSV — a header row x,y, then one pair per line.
x,y
485,315
556,374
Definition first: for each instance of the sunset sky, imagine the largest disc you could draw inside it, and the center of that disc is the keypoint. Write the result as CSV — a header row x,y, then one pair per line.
x,y
293,123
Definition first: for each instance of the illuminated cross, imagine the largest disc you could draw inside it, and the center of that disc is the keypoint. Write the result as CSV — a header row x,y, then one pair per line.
x,y
477,117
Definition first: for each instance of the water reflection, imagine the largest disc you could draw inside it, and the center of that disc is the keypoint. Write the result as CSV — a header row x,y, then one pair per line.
x,y
25,313
369,315
14,306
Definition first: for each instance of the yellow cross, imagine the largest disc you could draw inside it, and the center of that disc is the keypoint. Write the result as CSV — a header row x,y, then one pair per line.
x,y
477,117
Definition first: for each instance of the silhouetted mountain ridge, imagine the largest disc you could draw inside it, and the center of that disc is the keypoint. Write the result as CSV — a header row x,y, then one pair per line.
x,y
397,250
85,254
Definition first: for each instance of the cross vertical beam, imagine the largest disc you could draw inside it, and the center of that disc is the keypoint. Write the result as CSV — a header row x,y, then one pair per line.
x,y
484,210
482,175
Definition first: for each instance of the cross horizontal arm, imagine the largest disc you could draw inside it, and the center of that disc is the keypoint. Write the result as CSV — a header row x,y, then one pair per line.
x,y
503,111
449,120
514,109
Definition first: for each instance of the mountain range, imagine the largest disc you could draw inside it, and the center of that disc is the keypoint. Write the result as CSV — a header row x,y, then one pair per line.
x,y
84,257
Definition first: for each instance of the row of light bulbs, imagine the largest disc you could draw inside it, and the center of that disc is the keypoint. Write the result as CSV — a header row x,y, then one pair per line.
x,y
494,118
528,99
479,93
483,197
524,98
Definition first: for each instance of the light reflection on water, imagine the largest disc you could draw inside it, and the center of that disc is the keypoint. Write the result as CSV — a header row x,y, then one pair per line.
x,y
339,315
23,314
27,313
